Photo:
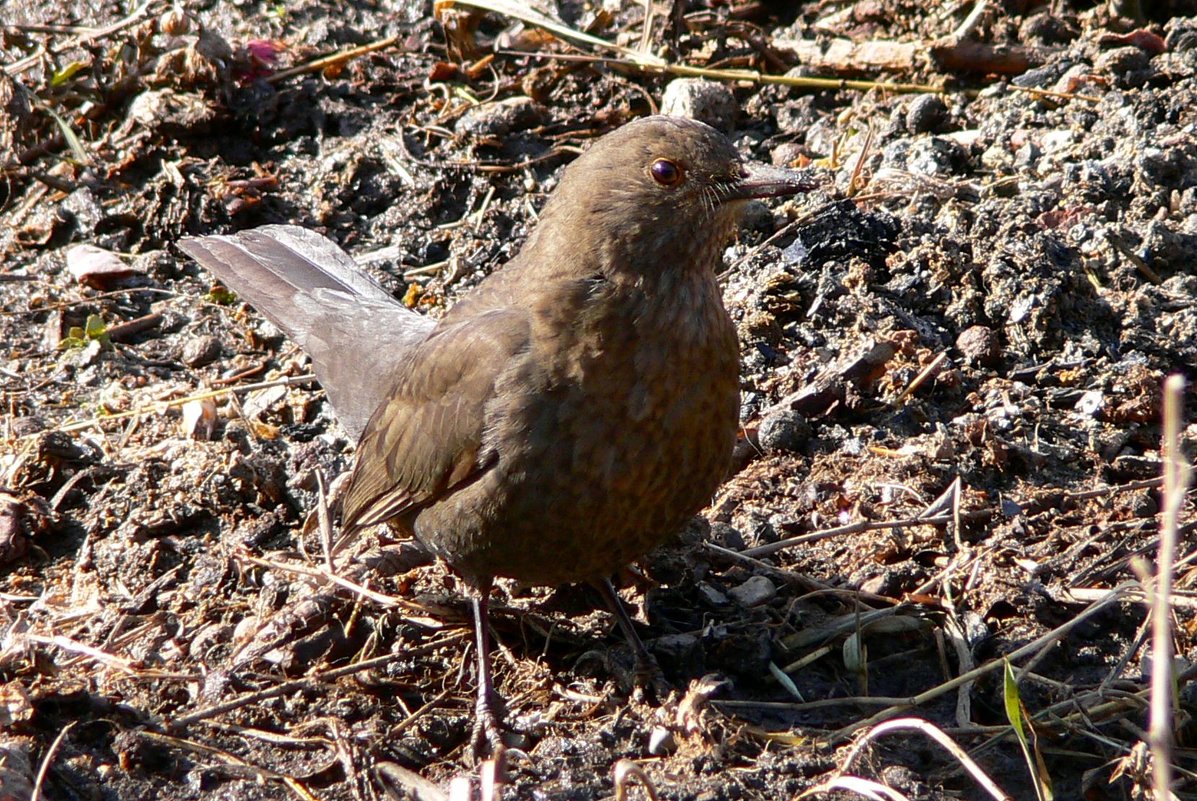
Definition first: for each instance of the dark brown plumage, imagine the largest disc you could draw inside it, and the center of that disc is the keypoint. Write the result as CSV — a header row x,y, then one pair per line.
x,y
573,410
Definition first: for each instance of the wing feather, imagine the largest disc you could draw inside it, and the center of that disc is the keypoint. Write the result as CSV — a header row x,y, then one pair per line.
x,y
427,437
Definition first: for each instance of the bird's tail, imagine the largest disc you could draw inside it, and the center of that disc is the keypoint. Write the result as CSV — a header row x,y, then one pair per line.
x,y
355,332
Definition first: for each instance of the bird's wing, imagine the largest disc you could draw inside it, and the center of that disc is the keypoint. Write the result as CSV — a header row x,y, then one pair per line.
x,y
427,437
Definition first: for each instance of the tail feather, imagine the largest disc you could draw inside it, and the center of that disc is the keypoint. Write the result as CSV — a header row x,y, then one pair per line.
x,y
355,332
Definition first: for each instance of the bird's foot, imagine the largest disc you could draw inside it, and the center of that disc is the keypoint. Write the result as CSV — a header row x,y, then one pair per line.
x,y
490,751
649,684
640,677
486,740
487,736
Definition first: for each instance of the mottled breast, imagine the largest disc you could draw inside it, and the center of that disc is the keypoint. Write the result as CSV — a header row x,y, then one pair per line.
x,y
608,435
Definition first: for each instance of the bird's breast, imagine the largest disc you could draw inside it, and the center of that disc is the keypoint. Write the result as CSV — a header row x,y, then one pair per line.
x,y
623,429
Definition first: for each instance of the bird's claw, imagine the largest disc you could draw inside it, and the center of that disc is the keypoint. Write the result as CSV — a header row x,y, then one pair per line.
x,y
649,684
486,739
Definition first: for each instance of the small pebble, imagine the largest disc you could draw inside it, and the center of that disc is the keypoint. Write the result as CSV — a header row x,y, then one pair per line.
x,y
86,211
661,742
1182,35
1126,65
754,592
1046,29
1161,167
979,344
1057,142
1028,155
200,351
926,114
711,595
502,117
783,431
702,100
678,653
935,156
787,154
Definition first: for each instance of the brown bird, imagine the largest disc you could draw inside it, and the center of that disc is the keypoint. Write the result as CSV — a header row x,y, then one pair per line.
x,y
576,408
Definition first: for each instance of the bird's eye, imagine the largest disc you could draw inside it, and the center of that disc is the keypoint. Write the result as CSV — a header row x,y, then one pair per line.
x,y
666,172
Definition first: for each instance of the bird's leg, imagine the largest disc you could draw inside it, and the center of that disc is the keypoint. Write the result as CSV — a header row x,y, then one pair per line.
x,y
648,672
487,735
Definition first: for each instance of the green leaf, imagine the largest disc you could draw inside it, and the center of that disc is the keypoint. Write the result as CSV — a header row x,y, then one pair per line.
x,y
1012,702
221,296
95,328
68,134
73,339
67,72
786,682
1015,713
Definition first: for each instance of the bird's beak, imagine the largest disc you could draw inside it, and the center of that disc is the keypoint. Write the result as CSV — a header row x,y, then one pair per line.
x,y
763,180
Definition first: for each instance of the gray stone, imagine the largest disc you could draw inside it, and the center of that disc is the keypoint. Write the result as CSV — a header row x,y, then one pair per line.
x,y
754,592
698,99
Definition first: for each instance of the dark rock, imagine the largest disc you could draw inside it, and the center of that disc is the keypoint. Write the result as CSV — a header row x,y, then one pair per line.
x,y
783,431
200,351
926,114
979,344
727,536
678,654
503,117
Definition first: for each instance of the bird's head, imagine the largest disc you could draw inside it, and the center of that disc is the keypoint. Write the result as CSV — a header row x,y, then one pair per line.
x,y
660,191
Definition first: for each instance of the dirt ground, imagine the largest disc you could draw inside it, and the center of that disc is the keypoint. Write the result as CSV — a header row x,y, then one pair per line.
x,y
952,372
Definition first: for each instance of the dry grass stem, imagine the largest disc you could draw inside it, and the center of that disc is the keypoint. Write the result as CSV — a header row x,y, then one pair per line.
x,y
1033,647
935,733
47,760
624,773
309,681
1177,474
